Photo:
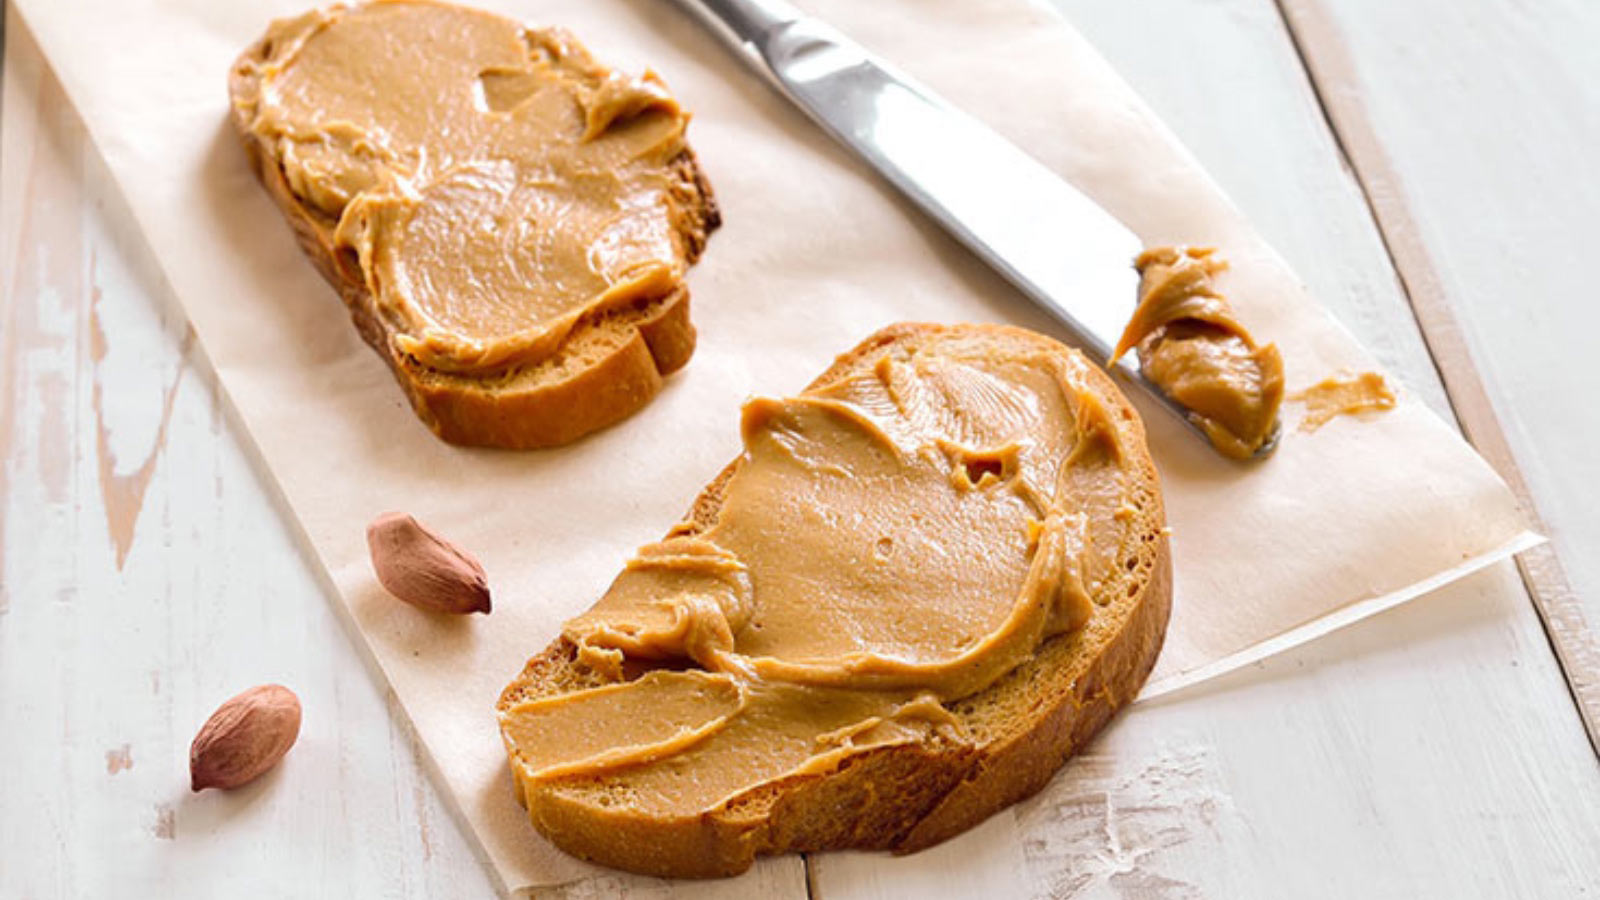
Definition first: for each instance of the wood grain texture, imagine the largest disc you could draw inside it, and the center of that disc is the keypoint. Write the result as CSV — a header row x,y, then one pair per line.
x,y
146,578
1488,117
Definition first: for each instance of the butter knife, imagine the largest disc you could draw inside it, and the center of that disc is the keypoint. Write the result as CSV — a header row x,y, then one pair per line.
x,y
1058,247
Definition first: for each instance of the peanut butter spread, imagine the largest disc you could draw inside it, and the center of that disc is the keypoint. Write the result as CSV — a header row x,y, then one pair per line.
x,y
891,542
1194,349
1343,395
493,183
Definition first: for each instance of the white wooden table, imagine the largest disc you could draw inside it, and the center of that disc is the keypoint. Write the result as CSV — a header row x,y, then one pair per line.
x,y
1426,163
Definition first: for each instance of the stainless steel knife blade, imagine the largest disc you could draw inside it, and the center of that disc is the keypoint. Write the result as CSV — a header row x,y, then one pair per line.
x,y
1058,247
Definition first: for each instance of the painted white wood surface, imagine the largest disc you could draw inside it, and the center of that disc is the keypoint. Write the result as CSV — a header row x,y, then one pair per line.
x,y
1489,114
146,578
1431,751
1478,163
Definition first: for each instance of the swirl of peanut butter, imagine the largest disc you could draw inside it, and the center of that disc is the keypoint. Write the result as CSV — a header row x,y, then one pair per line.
x,y
491,183
1193,348
890,542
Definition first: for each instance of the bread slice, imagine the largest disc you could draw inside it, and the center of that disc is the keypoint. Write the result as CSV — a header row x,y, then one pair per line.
x,y
903,797
609,365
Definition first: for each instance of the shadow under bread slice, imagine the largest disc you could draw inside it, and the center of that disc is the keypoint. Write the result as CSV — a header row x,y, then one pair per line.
x,y
927,580
509,221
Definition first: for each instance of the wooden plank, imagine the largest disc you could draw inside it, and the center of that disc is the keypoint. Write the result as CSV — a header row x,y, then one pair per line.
x,y
1483,185
144,578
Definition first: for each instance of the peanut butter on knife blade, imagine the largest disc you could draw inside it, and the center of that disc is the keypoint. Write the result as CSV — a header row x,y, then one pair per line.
x,y
1192,346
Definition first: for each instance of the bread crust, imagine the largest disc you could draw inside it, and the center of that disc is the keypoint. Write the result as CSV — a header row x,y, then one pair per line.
x,y
907,797
621,356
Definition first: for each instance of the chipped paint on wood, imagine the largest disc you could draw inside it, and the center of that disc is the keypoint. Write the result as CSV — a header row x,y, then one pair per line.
x,y
43,231
119,759
166,823
208,591
424,831
123,492
1096,826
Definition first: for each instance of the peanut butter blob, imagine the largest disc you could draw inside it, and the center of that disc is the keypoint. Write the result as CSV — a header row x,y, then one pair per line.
x,y
491,183
1193,348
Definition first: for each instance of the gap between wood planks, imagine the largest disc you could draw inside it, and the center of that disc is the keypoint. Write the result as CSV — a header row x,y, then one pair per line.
x,y
1332,77
2,55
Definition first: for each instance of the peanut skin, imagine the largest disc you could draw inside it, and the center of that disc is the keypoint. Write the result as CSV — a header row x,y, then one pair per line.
x,y
424,569
244,738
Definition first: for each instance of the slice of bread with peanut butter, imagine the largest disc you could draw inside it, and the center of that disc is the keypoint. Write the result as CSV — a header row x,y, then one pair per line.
x,y
508,221
928,579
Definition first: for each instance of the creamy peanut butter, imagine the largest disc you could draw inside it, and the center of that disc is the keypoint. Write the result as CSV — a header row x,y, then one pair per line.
x,y
491,183
1343,395
891,542
1193,348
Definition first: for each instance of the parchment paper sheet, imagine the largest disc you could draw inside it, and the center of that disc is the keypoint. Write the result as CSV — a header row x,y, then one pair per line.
x,y
814,255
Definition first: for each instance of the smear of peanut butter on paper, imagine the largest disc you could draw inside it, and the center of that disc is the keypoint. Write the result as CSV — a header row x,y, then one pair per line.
x,y
1343,395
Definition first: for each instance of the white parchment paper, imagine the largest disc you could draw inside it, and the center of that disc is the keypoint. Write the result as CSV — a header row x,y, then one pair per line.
x,y
815,254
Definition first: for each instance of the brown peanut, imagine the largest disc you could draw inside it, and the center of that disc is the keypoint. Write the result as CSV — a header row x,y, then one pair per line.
x,y
424,569
244,738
